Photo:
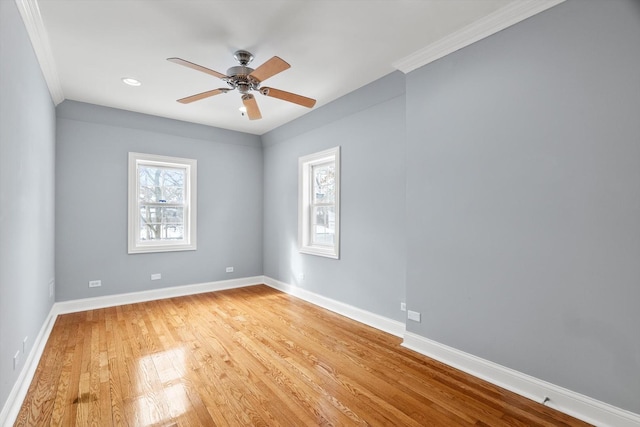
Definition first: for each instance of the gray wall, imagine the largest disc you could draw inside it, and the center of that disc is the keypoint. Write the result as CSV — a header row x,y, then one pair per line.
x,y
27,131
523,199
91,202
369,126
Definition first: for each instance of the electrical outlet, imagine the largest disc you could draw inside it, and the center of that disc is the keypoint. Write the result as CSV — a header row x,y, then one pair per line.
x,y
95,283
229,270
403,306
16,360
24,344
413,315
156,276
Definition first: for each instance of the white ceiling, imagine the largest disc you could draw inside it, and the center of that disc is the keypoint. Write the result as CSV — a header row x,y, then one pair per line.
x,y
333,46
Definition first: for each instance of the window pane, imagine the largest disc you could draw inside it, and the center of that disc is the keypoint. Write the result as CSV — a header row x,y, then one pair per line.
x,y
161,223
324,183
323,228
158,184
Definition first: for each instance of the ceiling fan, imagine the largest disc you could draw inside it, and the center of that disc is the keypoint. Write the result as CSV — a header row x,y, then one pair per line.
x,y
246,79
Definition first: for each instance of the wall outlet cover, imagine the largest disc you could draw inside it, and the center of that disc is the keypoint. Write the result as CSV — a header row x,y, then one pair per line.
x,y
95,283
229,270
156,276
413,315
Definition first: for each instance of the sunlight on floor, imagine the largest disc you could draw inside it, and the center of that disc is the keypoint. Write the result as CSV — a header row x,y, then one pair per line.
x,y
159,378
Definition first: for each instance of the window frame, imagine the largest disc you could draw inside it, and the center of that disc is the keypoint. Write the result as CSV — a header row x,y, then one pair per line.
x,y
188,243
306,204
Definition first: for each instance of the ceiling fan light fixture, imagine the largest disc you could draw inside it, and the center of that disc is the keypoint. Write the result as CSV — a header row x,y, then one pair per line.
x,y
131,81
243,109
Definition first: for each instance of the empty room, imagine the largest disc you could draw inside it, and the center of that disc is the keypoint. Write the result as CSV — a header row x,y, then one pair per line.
x,y
285,212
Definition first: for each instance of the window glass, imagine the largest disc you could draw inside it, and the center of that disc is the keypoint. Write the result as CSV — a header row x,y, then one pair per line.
x,y
319,203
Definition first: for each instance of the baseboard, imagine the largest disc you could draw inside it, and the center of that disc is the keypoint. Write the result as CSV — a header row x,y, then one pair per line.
x,y
371,319
567,401
152,295
21,387
577,405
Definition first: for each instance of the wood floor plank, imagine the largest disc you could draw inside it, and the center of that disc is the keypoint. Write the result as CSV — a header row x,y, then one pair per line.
x,y
252,356
318,374
356,370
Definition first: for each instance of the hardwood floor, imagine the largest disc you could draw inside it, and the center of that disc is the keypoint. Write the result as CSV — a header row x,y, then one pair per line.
x,y
252,356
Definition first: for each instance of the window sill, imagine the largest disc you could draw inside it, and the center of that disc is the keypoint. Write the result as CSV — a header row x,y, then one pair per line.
x,y
161,248
320,251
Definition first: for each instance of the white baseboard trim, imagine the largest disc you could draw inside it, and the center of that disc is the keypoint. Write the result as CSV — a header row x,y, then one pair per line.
x,y
577,405
567,401
21,387
84,304
382,323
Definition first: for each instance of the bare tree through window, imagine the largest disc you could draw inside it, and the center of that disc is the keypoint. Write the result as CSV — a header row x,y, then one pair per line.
x,y
161,203
319,203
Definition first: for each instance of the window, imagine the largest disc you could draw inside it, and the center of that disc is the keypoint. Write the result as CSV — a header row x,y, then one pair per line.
x,y
319,203
162,203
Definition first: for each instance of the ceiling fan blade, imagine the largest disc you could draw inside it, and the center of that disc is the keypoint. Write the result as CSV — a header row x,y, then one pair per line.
x,y
252,107
202,95
270,68
196,67
288,96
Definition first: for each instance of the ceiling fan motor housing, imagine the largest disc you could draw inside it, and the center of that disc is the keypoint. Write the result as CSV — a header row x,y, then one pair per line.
x,y
238,77
239,71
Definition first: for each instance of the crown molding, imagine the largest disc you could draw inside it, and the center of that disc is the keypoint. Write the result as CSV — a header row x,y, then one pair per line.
x,y
30,13
504,17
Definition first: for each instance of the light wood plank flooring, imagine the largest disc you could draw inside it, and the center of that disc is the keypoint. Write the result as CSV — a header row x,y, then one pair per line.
x,y
252,356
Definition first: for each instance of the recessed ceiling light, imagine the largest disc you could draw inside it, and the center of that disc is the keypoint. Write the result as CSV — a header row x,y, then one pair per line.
x,y
131,82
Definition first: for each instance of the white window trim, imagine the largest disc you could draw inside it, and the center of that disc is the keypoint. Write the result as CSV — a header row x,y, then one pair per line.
x,y
189,243
305,165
